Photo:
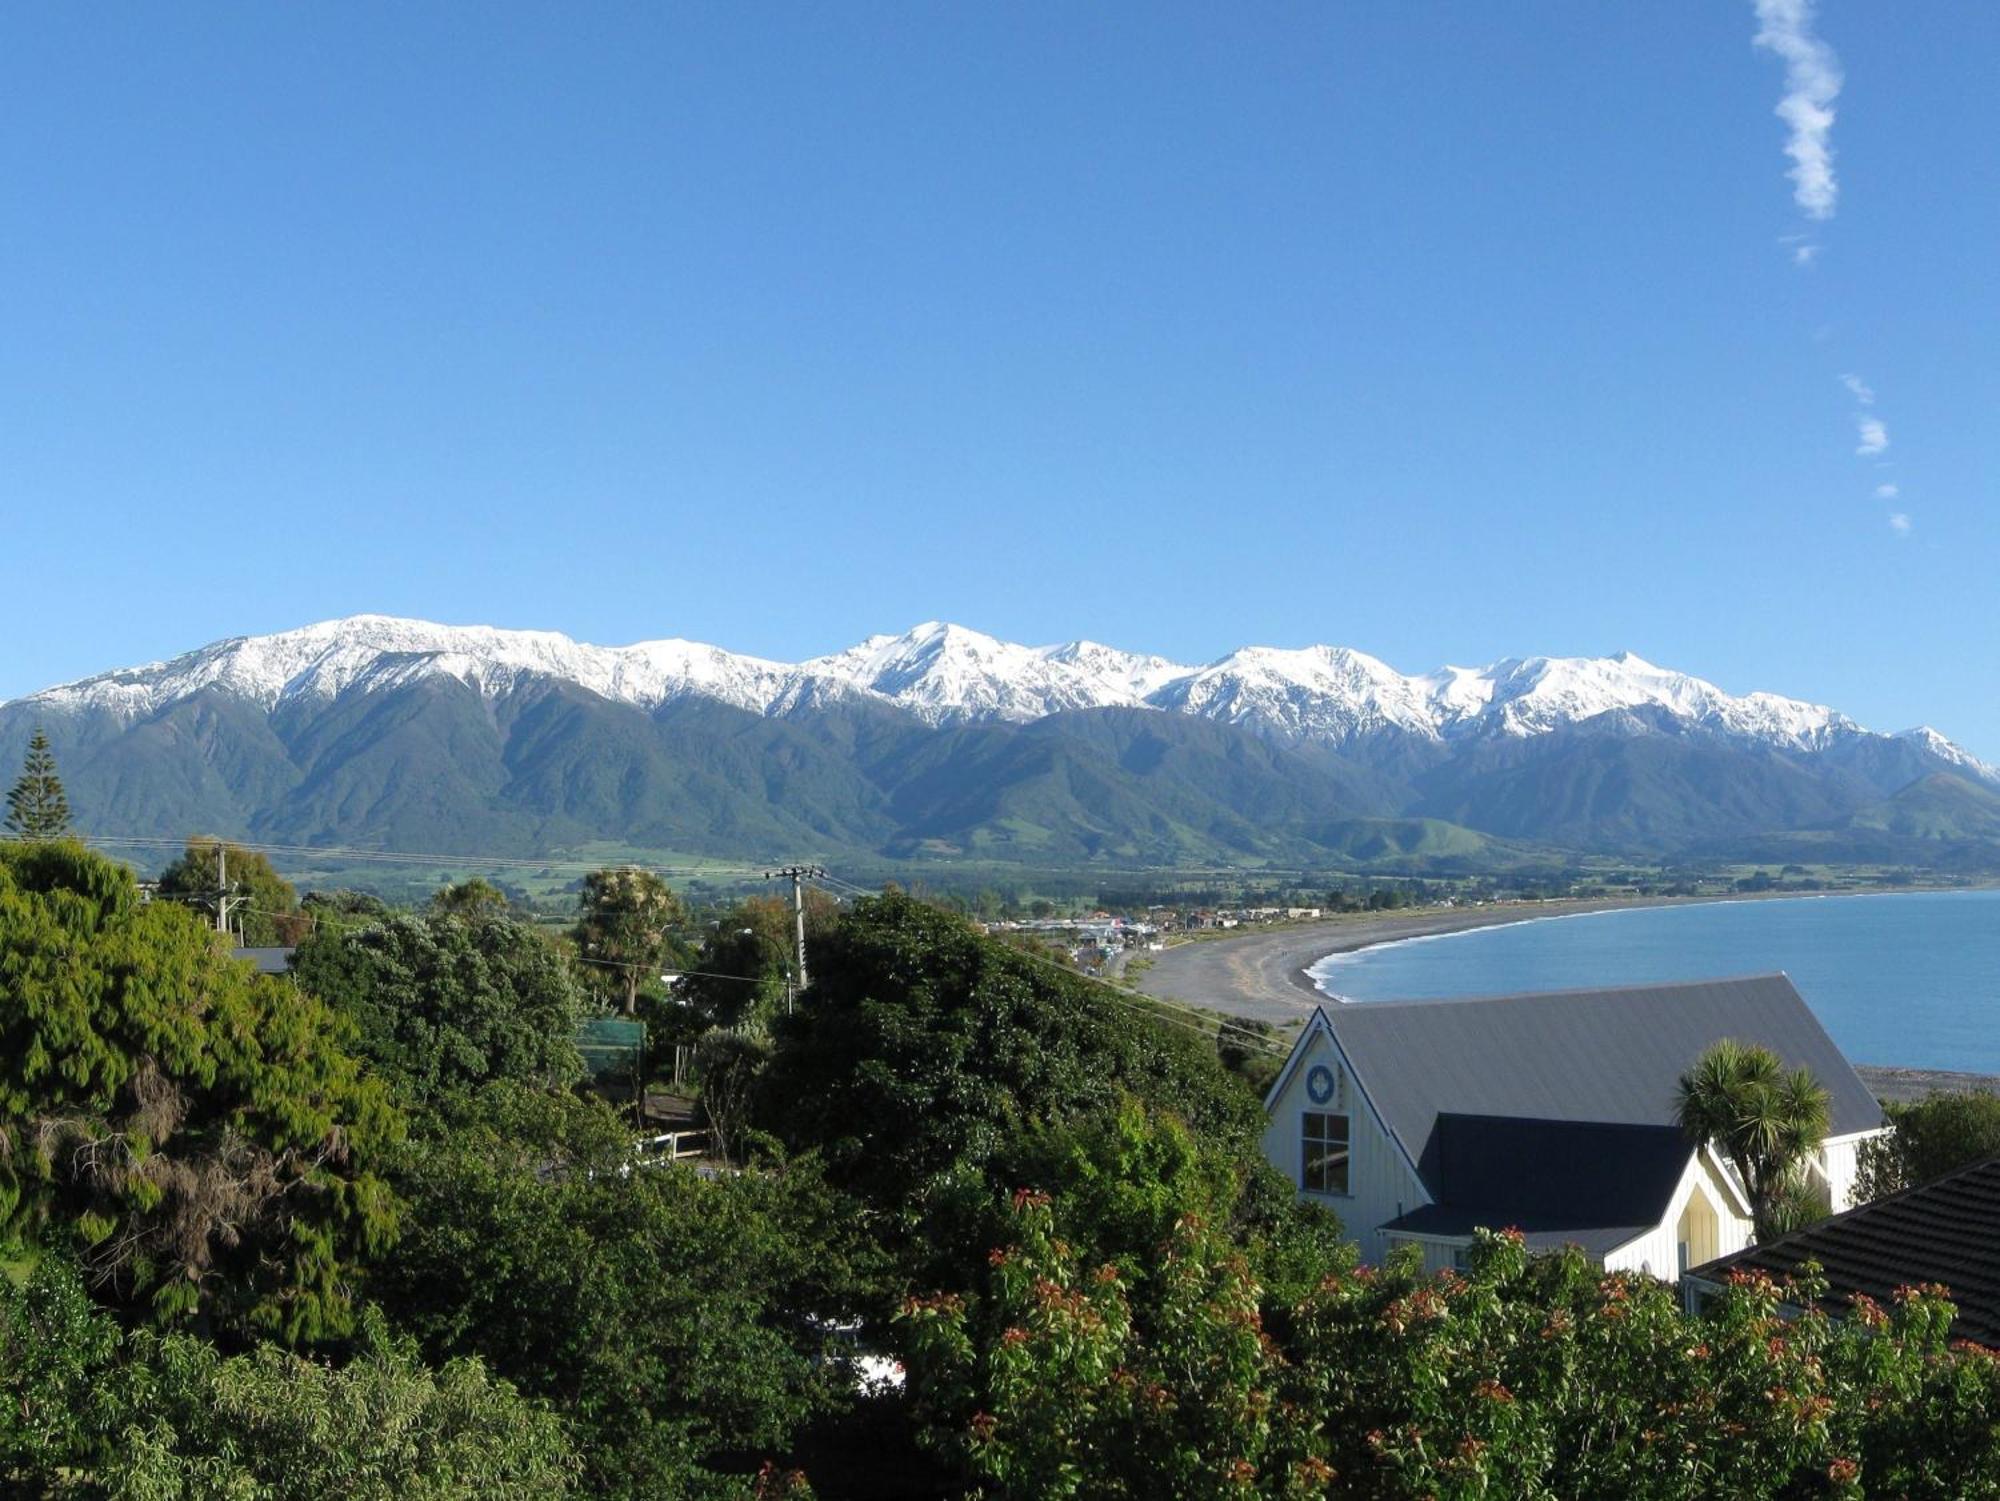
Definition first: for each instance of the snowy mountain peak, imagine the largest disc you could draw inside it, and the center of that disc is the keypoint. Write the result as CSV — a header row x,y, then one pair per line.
x,y
1927,739
942,672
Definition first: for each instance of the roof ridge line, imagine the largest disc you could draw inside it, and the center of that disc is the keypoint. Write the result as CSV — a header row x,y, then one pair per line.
x,y
1351,1008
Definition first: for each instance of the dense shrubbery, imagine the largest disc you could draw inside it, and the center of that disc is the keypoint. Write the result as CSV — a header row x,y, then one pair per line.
x,y
1525,1377
197,1133
929,1057
679,1321
86,1411
1931,1137
450,1000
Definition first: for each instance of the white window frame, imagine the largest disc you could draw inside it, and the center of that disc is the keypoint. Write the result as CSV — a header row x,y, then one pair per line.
x,y
1325,1141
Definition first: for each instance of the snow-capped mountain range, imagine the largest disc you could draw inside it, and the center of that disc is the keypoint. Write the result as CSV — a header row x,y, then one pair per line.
x,y
946,673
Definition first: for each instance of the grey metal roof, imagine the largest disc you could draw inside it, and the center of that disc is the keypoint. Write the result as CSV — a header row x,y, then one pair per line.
x,y
269,961
1584,1183
1577,1055
1947,1231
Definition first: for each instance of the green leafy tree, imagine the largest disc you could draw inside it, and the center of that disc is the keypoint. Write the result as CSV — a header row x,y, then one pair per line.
x,y
198,1132
276,1427
626,928
58,1352
1049,1384
1929,1138
1765,1121
731,1067
475,900
681,1323
925,1051
36,805
88,1412
339,910
266,910
743,972
442,1003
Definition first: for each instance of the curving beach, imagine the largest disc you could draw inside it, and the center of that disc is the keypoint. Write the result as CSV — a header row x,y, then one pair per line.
x,y
1262,974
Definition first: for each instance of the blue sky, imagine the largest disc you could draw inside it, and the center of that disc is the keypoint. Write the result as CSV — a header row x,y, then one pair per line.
x,y
1448,332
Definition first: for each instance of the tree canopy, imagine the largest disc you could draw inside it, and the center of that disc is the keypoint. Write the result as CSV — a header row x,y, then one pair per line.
x,y
442,1002
1928,1138
925,1053
625,928
198,1132
87,1411
684,1322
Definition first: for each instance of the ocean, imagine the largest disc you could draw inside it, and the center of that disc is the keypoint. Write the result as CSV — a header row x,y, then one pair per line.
x,y
1904,979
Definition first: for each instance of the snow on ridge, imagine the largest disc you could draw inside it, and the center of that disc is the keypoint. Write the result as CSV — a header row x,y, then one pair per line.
x,y
325,660
943,672
1927,739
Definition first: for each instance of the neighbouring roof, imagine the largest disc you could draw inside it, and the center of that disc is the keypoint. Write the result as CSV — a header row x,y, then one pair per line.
x,y
1594,1184
1610,1057
1944,1232
269,961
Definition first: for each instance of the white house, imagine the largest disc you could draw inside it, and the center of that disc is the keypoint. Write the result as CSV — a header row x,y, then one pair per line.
x,y
1422,1121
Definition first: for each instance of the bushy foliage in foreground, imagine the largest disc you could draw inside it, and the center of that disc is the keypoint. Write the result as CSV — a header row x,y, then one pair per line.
x,y
680,1322
1050,1204
1526,1377
86,1413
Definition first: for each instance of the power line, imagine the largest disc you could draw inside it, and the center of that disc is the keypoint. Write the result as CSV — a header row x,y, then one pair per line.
x,y
347,853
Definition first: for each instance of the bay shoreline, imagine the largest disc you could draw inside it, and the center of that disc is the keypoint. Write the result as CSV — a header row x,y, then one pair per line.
x,y
1262,975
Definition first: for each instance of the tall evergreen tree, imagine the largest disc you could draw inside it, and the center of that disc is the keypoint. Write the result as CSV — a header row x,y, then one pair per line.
x,y
36,807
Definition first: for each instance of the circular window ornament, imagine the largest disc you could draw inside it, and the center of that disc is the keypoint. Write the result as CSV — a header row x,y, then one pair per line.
x,y
1319,1083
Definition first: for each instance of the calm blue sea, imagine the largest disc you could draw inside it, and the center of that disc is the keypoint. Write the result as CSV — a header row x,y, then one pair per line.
x,y
1907,979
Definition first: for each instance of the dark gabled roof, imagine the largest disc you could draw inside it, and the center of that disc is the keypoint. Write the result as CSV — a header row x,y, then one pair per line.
x,y
1608,1056
1594,1184
1946,1232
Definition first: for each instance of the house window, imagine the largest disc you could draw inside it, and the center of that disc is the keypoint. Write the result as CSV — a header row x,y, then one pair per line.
x,y
1323,1152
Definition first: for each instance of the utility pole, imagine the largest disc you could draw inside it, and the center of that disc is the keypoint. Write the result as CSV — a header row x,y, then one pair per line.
x,y
798,875
222,901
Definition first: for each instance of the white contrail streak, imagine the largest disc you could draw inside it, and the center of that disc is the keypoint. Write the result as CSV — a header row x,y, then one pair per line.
x,y
1812,83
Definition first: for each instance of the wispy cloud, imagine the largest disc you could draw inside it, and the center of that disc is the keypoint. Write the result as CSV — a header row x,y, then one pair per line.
x,y
1874,436
1899,523
1812,83
1859,389
1887,492
1803,249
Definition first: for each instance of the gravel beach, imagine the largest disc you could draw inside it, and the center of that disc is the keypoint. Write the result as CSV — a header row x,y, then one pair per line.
x,y
1262,975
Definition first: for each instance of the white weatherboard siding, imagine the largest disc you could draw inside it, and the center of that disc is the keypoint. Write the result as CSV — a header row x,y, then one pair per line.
x,y
1840,1159
1440,1252
1381,1183
1703,1193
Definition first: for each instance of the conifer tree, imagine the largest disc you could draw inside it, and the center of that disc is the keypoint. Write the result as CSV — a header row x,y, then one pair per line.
x,y
36,807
